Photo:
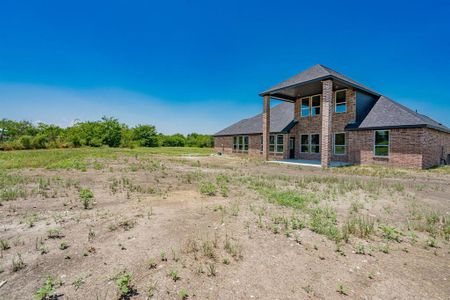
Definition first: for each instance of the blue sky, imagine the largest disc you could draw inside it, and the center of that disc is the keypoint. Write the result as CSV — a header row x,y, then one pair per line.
x,y
199,65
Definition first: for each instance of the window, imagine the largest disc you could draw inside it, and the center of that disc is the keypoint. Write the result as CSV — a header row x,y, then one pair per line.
x,y
341,101
315,142
315,105
381,147
304,147
279,143
271,143
240,143
340,146
261,144
305,107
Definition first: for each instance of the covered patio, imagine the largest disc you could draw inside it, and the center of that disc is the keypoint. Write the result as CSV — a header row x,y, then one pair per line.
x,y
309,163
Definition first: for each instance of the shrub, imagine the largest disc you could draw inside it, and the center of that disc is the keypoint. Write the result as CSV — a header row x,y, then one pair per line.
x,y
26,141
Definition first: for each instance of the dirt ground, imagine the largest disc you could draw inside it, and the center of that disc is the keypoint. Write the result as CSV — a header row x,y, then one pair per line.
x,y
225,228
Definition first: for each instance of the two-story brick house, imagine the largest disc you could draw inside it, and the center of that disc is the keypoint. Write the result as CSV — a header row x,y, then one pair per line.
x,y
329,117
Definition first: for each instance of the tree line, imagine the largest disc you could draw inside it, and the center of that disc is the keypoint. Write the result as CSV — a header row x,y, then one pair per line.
x,y
16,135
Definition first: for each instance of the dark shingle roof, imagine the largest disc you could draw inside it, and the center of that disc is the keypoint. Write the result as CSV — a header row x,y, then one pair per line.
x,y
316,73
281,119
387,113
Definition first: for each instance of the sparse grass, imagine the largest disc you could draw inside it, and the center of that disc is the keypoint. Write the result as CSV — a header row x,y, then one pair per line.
x,y
208,188
323,221
183,294
361,226
54,233
391,233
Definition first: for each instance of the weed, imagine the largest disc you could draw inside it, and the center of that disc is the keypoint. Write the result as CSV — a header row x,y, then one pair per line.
x,y
323,221
431,242
174,275
54,233
123,283
208,188
86,197
163,256
362,227
47,290
151,263
208,249
384,248
91,235
390,233
31,219
63,246
341,289
78,282
183,295
17,263
151,289
211,268
4,244
360,249
226,261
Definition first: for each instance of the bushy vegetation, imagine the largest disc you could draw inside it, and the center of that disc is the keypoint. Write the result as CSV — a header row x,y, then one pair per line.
x,y
20,135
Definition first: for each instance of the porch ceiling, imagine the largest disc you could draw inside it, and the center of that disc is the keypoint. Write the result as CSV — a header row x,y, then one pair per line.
x,y
291,93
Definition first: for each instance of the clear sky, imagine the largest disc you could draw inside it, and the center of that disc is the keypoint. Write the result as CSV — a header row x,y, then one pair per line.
x,y
199,65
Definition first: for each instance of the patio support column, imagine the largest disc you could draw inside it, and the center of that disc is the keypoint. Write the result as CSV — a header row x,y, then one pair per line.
x,y
266,126
327,112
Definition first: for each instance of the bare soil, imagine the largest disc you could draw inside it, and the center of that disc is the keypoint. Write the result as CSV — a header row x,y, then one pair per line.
x,y
227,245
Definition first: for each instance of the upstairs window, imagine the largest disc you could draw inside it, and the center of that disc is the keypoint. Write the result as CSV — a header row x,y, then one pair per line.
x,y
381,147
315,142
315,105
304,110
341,101
340,146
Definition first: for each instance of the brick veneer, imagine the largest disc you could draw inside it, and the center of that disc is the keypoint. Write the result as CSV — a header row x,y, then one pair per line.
x,y
409,147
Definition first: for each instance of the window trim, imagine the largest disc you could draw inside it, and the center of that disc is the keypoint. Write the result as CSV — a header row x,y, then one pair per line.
x,y
334,144
388,145
335,101
301,107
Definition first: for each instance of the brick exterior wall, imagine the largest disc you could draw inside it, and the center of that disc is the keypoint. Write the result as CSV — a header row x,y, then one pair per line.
x,y
224,145
408,148
436,145
313,125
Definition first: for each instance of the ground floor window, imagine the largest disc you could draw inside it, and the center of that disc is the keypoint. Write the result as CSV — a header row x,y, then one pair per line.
x,y
381,145
340,146
240,143
310,143
275,143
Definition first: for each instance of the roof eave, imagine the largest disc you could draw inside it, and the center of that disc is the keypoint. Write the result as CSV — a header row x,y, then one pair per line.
x,y
398,127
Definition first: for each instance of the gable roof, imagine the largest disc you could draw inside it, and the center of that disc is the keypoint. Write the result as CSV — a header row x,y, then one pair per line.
x,y
317,73
281,120
387,113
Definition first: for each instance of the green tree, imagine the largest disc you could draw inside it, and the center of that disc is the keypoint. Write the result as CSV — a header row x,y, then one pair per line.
x,y
145,135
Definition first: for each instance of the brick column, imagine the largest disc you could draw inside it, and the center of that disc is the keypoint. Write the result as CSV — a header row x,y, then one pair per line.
x,y
327,112
266,126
